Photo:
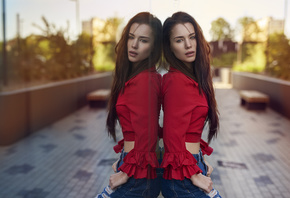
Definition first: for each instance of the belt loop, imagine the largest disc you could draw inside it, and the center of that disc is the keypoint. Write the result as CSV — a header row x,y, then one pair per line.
x,y
200,156
122,154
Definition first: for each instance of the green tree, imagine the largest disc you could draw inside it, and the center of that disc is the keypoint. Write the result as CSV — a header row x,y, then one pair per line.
x,y
84,52
279,59
105,56
225,60
25,63
111,27
255,59
64,58
60,63
249,29
221,30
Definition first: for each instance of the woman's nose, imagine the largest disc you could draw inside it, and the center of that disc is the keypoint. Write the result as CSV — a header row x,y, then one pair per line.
x,y
135,44
187,43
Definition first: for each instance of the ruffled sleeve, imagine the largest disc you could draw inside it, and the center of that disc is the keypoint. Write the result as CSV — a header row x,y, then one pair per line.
x,y
205,148
143,101
179,165
140,164
118,147
178,103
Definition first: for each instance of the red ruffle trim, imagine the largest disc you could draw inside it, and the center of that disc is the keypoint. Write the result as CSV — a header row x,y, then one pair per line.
x,y
205,148
179,165
140,164
118,148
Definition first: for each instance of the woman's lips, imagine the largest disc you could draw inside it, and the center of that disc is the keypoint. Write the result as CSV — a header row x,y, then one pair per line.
x,y
133,54
190,54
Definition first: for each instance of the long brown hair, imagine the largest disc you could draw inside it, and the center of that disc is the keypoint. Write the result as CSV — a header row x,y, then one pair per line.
x,y
200,71
124,69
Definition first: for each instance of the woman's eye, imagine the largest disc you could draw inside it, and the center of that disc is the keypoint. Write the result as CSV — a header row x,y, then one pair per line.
x,y
179,40
192,37
143,41
131,37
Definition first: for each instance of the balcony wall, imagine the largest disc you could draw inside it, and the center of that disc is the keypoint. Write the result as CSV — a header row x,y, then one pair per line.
x,y
278,90
25,111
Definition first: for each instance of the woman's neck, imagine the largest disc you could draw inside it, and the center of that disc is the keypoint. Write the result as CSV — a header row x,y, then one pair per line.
x,y
188,65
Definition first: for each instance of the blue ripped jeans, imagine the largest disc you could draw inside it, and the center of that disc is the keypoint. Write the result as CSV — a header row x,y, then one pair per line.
x,y
184,188
134,188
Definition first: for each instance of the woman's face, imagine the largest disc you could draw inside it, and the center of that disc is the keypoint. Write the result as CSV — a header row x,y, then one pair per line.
x,y
140,42
183,43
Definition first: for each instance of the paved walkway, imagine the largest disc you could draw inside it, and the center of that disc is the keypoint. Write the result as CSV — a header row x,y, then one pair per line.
x,y
72,158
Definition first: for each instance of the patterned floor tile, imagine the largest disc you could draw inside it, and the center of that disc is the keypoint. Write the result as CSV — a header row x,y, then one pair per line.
x,y
107,162
48,147
264,157
231,143
83,175
79,136
34,193
11,151
263,181
77,128
19,169
85,153
235,165
278,132
273,141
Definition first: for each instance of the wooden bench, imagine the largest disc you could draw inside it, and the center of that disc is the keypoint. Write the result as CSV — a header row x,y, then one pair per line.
x,y
252,99
99,98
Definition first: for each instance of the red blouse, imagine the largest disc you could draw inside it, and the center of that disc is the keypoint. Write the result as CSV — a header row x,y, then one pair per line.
x,y
138,112
185,112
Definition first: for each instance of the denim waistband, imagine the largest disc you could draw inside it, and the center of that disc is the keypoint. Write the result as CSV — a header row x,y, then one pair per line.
x,y
123,154
198,157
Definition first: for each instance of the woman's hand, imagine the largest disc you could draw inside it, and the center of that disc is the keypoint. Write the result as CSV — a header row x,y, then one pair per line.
x,y
114,166
202,182
209,168
118,179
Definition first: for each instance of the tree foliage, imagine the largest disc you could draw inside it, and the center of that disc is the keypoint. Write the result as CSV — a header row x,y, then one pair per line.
x,y
221,30
249,29
279,59
105,56
225,60
52,55
254,58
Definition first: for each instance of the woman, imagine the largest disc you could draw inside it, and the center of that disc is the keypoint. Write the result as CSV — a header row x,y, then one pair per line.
x,y
135,103
188,104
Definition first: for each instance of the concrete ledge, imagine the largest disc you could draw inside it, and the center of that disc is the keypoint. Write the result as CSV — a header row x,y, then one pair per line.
x,y
278,90
25,111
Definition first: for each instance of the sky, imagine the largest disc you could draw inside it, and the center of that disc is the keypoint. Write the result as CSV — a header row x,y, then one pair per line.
x,y
59,12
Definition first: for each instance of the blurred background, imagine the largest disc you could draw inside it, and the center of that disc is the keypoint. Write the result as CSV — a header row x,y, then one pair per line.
x,y
45,41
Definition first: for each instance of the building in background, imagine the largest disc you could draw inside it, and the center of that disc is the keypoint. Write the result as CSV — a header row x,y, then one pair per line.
x,y
220,47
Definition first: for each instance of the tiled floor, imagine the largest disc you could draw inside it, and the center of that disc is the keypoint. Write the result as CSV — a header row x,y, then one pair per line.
x,y
72,158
